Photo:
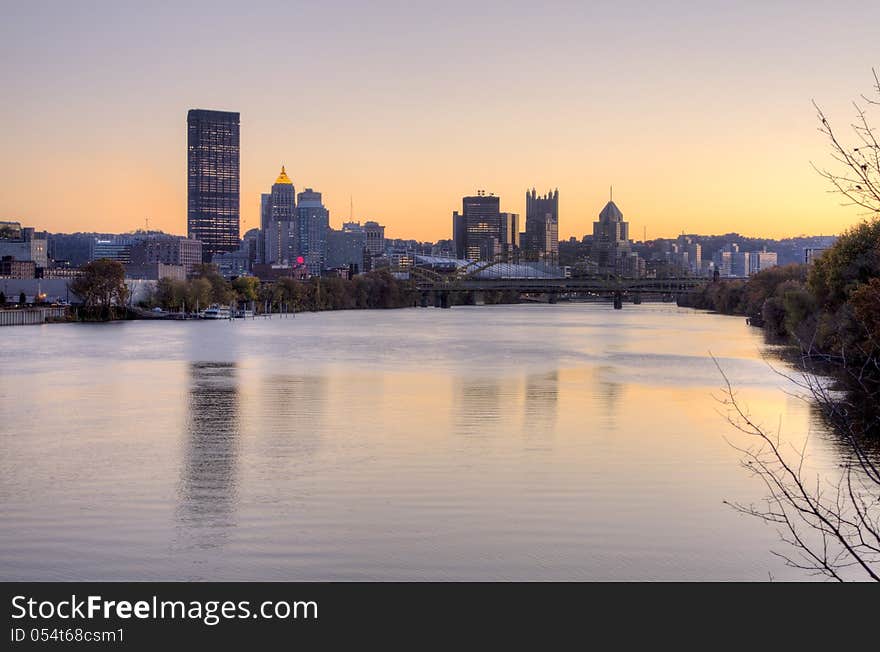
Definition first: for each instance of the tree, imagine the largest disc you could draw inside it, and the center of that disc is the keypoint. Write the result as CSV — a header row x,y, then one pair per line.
x,y
2,298
22,299
857,175
101,287
247,288
831,524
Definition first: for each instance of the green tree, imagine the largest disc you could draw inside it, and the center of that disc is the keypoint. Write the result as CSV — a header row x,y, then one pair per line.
x,y
101,287
22,299
247,288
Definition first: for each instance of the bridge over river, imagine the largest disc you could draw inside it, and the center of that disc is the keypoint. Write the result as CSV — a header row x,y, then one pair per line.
x,y
438,286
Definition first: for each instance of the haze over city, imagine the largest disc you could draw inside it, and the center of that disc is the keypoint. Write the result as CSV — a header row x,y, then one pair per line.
x,y
699,114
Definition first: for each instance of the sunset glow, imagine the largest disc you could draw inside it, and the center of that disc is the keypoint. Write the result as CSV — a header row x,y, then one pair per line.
x,y
699,114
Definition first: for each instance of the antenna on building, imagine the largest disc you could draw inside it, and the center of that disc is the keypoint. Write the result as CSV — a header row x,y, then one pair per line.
x,y
644,234
611,193
351,209
147,223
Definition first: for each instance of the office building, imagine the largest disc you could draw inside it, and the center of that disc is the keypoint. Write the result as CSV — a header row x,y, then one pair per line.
x,y
213,180
23,244
346,247
278,222
761,260
611,247
477,231
313,221
542,224
374,238
168,250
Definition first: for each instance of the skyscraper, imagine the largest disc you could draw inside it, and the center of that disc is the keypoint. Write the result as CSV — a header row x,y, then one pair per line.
x,y
278,222
313,222
542,224
477,229
213,180
611,245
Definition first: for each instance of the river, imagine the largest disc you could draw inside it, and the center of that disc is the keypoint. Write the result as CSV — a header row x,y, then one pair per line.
x,y
522,442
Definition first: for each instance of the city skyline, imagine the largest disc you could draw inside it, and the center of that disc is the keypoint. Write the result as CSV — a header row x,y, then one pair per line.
x,y
700,118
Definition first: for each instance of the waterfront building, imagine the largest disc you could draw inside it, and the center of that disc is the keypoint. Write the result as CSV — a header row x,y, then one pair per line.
x,y
313,221
278,222
541,237
168,250
19,269
510,236
153,271
213,180
23,244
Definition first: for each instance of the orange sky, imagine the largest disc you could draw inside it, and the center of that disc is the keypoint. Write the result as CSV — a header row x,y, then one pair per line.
x,y
698,113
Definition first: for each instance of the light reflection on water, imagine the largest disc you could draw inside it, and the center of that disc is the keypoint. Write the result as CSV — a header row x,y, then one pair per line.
x,y
504,442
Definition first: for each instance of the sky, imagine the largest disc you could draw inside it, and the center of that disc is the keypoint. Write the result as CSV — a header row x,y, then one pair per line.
x,y
698,113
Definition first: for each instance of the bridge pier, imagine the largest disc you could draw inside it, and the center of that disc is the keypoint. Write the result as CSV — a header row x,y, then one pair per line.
x,y
423,300
437,299
552,297
618,301
444,299
637,298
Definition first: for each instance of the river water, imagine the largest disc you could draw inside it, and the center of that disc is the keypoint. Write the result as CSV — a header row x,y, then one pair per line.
x,y
526,442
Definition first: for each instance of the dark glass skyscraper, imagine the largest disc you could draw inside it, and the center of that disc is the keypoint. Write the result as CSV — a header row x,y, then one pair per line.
x,y
213,180
477,229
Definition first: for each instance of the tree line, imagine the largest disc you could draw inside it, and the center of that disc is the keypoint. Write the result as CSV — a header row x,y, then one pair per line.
x,y
378,289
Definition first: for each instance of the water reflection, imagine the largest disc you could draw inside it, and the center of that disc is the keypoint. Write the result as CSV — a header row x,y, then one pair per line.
x,y
477,405
292,416
208,485
540,406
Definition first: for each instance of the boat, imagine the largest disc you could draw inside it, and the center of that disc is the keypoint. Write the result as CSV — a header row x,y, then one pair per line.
x,y
244,314
216,312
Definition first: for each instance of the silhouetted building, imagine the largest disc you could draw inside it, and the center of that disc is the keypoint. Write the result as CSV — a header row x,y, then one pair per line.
x,y
213,180
344,248
278,221
313,222
542,224
611,246
478,231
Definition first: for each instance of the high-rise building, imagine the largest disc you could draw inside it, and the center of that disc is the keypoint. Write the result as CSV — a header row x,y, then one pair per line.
x,y
542,224
278,222
346,247
477,230
213,180
374,234
313,221
611,243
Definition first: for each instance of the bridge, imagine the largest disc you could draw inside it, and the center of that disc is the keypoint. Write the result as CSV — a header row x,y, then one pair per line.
x,y
474,280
